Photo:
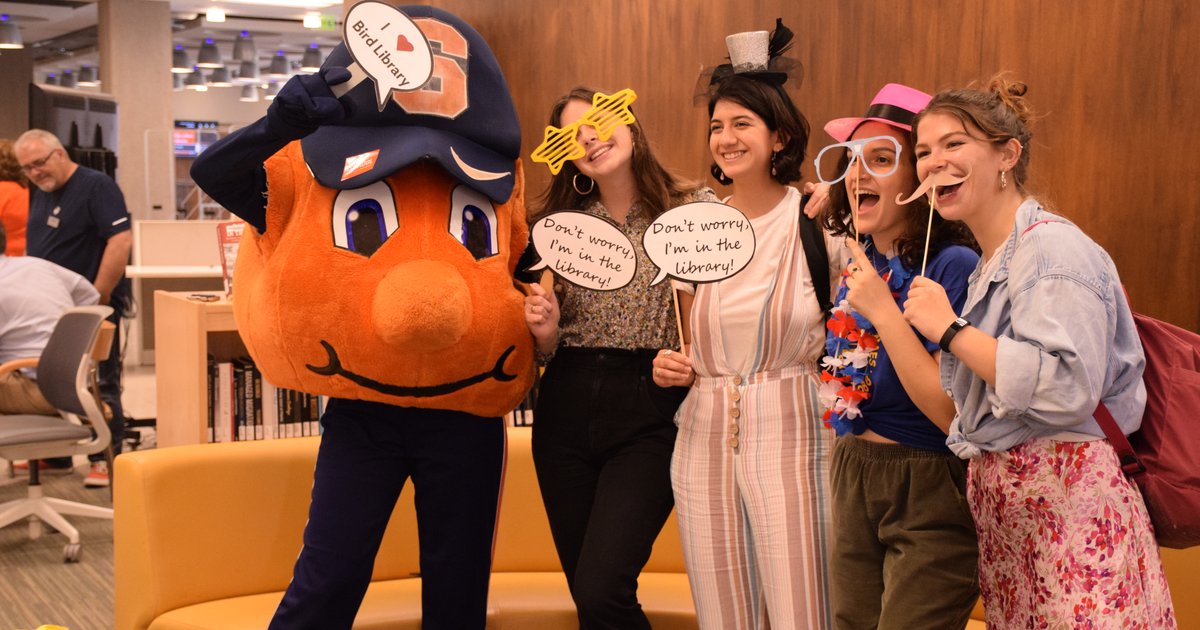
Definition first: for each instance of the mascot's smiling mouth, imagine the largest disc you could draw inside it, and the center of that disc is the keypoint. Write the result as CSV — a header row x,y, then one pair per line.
x,y
334,368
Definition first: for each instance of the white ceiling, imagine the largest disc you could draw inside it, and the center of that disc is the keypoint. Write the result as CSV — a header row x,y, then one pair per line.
x,y
274,24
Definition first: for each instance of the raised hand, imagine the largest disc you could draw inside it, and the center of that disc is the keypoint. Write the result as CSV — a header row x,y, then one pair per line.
x,y
866,290
928,309
305,102
541,316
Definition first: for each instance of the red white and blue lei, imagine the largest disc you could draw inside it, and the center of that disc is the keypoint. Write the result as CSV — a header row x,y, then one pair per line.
x,y
851,347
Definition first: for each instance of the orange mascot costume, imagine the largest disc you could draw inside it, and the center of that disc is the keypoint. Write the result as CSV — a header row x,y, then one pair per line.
x,y
379,272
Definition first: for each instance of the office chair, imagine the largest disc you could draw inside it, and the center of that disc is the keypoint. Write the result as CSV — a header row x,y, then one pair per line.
x,y
64,373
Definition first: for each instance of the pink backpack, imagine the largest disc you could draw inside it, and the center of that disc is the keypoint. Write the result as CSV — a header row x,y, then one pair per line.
x,y
1163,456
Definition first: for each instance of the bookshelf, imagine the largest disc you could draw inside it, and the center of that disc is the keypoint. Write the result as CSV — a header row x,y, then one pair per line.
x,y
186,331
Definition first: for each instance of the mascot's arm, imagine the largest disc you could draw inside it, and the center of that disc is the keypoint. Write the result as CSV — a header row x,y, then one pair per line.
x,y
231,171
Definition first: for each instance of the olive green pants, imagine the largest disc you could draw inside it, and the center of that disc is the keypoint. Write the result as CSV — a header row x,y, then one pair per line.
x,y
904,551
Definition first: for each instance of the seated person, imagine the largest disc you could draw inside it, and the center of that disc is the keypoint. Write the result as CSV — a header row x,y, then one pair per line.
x,y
34,293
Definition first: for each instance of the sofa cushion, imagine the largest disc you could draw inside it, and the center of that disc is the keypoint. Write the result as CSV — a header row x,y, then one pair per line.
x,y
516,601
388,605
541,601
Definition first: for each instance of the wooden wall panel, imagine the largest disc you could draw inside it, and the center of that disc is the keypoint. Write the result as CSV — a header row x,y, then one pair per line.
x,y
1115,82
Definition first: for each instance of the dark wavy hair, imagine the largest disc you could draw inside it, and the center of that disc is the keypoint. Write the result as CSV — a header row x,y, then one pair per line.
x,y
656,186
775,107
10,168
910,246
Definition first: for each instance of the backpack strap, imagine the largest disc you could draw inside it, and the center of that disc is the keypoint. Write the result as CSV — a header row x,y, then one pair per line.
x,y
815,254
1130,464
1037,223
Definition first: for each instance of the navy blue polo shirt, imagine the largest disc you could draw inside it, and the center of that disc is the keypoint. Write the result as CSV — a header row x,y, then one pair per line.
x,y
71,226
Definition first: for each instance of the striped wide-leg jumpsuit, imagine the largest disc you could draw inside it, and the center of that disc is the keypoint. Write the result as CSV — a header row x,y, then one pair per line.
x,y
751,464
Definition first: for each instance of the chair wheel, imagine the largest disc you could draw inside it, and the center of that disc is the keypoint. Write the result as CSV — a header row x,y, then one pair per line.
x,y
71,552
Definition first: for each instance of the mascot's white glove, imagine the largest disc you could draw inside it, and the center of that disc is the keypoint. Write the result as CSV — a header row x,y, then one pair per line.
x,y
305,102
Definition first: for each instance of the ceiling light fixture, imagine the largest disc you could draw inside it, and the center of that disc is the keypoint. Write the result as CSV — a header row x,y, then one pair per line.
x,y
180,64
51,79
243,47
67,78
215,15
195,81
88,77
279,67
312,59
272,91
177,82
249,94
219,77
247,72
10,35
210,56
312,20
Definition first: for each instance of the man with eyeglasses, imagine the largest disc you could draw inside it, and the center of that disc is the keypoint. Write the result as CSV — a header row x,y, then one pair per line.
x,y
78,219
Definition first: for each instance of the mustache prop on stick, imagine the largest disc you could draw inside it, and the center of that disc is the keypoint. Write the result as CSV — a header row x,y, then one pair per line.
x,y
929,186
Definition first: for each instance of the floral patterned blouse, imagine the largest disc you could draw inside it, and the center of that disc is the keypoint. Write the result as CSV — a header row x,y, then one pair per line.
x,y
635,316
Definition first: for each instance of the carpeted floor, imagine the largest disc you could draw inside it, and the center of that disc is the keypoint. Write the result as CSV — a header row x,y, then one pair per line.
x,y
36,586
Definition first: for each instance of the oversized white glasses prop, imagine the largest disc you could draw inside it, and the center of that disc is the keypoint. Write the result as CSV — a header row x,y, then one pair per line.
x,y
827,159
930,185
828,170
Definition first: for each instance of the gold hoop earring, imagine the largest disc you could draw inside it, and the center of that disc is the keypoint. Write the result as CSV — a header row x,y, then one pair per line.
x,y
591,184
1003,181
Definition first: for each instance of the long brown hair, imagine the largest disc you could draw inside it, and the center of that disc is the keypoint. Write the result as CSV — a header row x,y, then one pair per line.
x,y
910,246
656,186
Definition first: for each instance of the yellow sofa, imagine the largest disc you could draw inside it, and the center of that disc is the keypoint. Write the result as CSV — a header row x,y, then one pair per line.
x,y
206,537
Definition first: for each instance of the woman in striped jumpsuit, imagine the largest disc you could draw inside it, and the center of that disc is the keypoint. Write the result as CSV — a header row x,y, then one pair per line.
x,y
751,465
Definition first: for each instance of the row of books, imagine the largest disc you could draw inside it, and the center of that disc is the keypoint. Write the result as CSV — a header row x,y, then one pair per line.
x,y
519,417
243,406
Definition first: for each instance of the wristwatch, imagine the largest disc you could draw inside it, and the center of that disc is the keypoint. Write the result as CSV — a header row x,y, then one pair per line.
x,y
948,336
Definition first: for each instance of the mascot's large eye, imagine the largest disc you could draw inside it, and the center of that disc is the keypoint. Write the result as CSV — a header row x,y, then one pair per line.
x,y
473,222
363,218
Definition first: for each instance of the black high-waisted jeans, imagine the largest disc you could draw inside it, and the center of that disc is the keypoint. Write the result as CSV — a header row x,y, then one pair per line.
x,y
603,434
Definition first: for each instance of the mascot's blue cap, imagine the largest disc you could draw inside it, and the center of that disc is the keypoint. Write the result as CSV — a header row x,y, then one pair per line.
x,y
474,136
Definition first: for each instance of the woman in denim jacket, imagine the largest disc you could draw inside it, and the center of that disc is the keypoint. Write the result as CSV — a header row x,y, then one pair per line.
x,y
1046,334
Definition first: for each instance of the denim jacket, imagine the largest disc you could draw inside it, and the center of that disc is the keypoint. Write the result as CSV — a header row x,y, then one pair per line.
x,y
1066,337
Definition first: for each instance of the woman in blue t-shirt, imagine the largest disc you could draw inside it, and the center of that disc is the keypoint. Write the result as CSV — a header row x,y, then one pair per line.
x,y
904,551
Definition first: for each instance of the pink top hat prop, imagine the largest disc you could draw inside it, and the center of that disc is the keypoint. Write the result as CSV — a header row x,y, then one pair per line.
x,y
894,105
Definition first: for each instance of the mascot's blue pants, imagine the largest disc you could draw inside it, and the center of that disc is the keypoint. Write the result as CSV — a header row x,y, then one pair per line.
x,y
368,450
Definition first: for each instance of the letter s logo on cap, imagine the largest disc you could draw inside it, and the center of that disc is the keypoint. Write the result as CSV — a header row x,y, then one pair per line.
x,y
445,94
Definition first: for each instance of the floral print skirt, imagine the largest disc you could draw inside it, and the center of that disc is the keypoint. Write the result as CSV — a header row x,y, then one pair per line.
x,y
1064,540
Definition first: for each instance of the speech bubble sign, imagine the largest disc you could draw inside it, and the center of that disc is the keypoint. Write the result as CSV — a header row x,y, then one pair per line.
x,y
389,46
703,241
584,250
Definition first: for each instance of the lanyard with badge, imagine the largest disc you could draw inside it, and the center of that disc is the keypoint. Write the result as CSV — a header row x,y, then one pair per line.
x,y
53,219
